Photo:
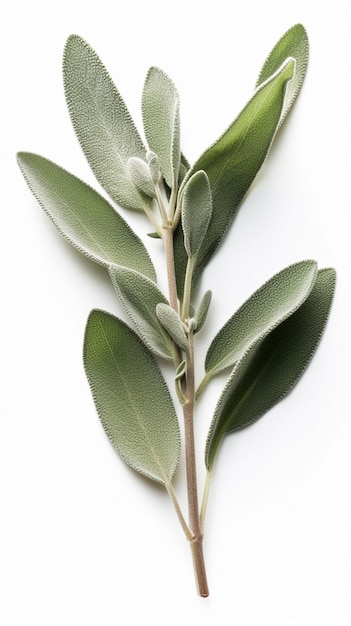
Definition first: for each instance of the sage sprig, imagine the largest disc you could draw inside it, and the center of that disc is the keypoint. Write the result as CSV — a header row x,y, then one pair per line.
x,y
265,346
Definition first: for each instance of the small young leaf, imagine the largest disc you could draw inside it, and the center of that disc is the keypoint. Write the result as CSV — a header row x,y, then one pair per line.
x,y
102,122
232,163
154,235
271,367
184,168
160,108
84,217
294,43
179,375
154,166
131,398
172,323
270,305
139,173
140,297
196,211
202,311
181,370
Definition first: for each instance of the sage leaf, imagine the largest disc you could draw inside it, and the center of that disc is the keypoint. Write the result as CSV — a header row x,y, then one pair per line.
x,y
154,235
83,217
140,297
232,163
154,166
196,211
131,397
139,174
271,367
172,323
102,122
294,43
201,313
268,307
181,370
160,110
178,379
184,168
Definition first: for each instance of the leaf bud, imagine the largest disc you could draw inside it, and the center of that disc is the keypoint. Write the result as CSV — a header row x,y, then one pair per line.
x,y
154,166
139,173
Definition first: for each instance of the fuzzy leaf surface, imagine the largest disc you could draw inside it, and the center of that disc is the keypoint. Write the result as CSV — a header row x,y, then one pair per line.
x,y
196,211
232,163
140,297
139,173
160,109
131,397
201,313
102,122
294,43
83,217
271,367
172,323
268,307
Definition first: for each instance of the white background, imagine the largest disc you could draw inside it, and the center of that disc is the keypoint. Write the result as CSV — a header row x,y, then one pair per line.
x,y
84,540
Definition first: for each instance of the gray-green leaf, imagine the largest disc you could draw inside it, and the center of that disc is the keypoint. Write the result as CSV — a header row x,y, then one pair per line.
x,y
294,43
181,370
154,166
160,108
131,398
84,217
268,307
140,297
102,122
139,173
201,313
232,163
271,367
196,211
172,323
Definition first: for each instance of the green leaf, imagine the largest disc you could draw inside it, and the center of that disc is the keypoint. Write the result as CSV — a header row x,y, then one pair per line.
x,y
172,323
83,217
196,211
184,168
139,174
154,166
154,235
131,398
232,163
178,379
271,367
294,43
181,370
201,313
160,109
268,307
102,122
140,297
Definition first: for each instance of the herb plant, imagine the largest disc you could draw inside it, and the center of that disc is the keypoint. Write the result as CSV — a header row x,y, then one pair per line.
x,y
265,346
